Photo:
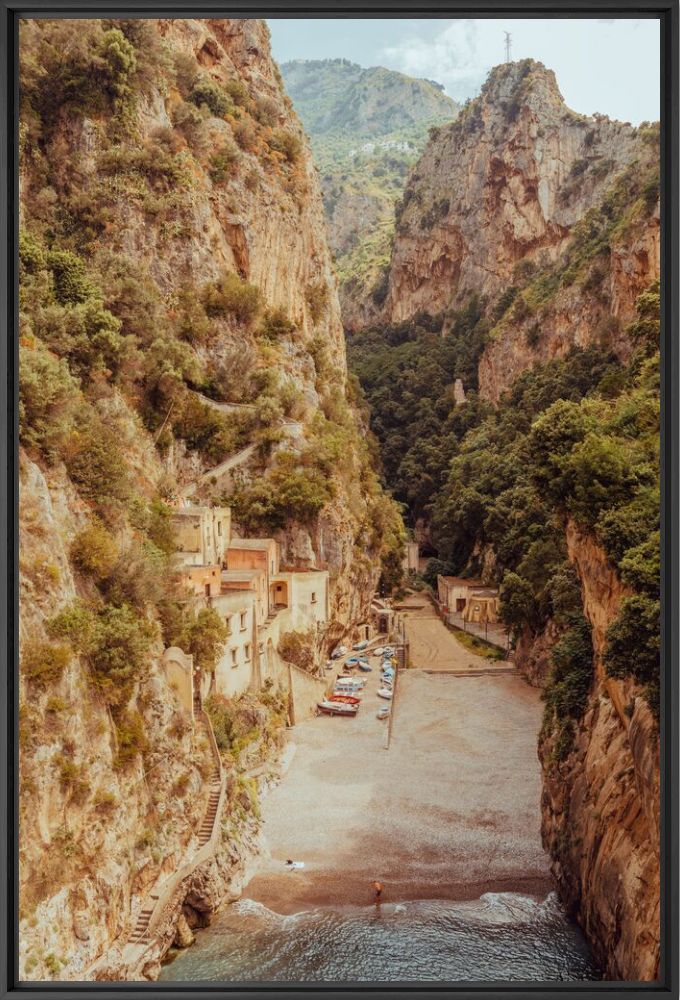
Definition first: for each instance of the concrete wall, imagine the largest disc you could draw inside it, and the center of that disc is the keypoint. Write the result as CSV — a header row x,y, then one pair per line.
x,y
179,671
198,578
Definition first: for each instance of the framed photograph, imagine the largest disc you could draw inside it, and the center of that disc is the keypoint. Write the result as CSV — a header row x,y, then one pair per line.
x,y
341,498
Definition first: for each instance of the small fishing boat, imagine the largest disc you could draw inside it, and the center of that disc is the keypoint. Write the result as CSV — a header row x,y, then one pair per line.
x,y
360,645
358,682
345,699
365,667
353,661
378,651
336,708
338,652
383,712
388,650
385,693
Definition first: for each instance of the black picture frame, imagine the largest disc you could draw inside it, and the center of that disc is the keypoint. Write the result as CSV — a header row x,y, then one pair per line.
x,y
667,11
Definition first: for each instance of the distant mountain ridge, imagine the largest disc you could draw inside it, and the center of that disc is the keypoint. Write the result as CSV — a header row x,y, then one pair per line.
x,y
367,128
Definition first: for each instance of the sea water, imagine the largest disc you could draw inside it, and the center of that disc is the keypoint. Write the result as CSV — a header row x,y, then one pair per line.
x,y
501,936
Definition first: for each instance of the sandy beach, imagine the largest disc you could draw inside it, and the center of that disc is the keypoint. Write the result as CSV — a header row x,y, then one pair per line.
x,y
450,810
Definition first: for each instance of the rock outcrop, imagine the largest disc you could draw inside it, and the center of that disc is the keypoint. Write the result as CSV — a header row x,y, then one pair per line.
x,y
601,807
504,183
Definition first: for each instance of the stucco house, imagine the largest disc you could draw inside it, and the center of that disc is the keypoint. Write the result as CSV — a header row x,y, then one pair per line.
x,y
202,534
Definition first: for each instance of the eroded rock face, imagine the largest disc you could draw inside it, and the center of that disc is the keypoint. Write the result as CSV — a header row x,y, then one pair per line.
x,y
89,859
506,182
600,807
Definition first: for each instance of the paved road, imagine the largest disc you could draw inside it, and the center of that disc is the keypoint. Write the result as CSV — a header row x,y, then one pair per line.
x,y
434,647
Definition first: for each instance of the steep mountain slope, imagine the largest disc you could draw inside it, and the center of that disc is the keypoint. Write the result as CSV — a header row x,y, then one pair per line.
x,y
504,184
367,128
526,264
173,248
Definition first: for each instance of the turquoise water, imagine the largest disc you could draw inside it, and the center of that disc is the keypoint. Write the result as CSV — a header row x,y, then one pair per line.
x,y
502,936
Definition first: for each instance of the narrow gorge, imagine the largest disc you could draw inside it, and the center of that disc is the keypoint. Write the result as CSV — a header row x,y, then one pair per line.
x,y
251,383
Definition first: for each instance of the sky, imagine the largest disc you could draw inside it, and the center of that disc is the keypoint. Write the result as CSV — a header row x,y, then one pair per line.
x,y
610,66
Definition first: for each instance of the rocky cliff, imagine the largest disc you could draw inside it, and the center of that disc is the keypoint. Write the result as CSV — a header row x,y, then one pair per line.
x,y
367,128
601,807
174,267
502,187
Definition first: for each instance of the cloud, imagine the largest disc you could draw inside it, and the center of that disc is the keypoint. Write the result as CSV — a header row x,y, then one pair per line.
x,y
453,58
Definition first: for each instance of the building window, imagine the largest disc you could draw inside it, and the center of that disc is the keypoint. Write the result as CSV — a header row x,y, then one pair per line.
x,y
219,527
247,652
313,597
227,622
243,620
234,658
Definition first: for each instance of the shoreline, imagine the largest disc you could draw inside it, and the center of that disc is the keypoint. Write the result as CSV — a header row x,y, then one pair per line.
x,y
272,893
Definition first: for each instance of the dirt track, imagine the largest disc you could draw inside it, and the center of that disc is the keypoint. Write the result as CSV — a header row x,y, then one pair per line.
x,y
450,810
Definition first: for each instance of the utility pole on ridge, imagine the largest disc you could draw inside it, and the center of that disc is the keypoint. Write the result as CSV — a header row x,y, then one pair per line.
x,y
508,39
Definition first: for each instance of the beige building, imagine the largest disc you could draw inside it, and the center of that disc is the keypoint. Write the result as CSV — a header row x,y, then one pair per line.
x,y
236,670
202,534
253,580
256,554
203,581
468,598
482,606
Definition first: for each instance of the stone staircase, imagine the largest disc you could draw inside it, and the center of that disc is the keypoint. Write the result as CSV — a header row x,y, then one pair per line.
x,y
208,835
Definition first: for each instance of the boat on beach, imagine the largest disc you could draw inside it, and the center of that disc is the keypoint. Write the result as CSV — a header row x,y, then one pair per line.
x,y
336,708
385,693
345,699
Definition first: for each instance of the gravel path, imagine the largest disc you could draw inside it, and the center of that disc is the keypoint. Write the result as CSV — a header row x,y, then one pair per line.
x,y
451,810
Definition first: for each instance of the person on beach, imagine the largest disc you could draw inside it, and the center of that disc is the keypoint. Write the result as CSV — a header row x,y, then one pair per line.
x,y
377,887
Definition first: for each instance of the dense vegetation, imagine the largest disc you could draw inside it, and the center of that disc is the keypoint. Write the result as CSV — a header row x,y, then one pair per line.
x,y
573,438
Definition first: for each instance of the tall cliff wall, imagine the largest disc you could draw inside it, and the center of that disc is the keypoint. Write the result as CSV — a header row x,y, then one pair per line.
x,y
505,182
173,248
601,808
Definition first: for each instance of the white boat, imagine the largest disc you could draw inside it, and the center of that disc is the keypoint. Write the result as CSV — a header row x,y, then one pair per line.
x,y
378,651
337,708
360,645
383,712
385,693
338,652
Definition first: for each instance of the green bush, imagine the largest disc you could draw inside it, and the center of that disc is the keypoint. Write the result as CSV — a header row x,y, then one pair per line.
x,y
96,465
286,494
633,645
231,296
221,162
48,398
213,96
286,142
275,324
117,642
43,662
132,739
94,551
71,281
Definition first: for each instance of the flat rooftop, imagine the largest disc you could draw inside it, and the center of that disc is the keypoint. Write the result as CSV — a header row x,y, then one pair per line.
x,y
240,575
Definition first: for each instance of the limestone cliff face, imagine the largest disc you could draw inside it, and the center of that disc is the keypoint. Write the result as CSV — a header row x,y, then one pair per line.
x,y
506,182
96,835
600,807
595,311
